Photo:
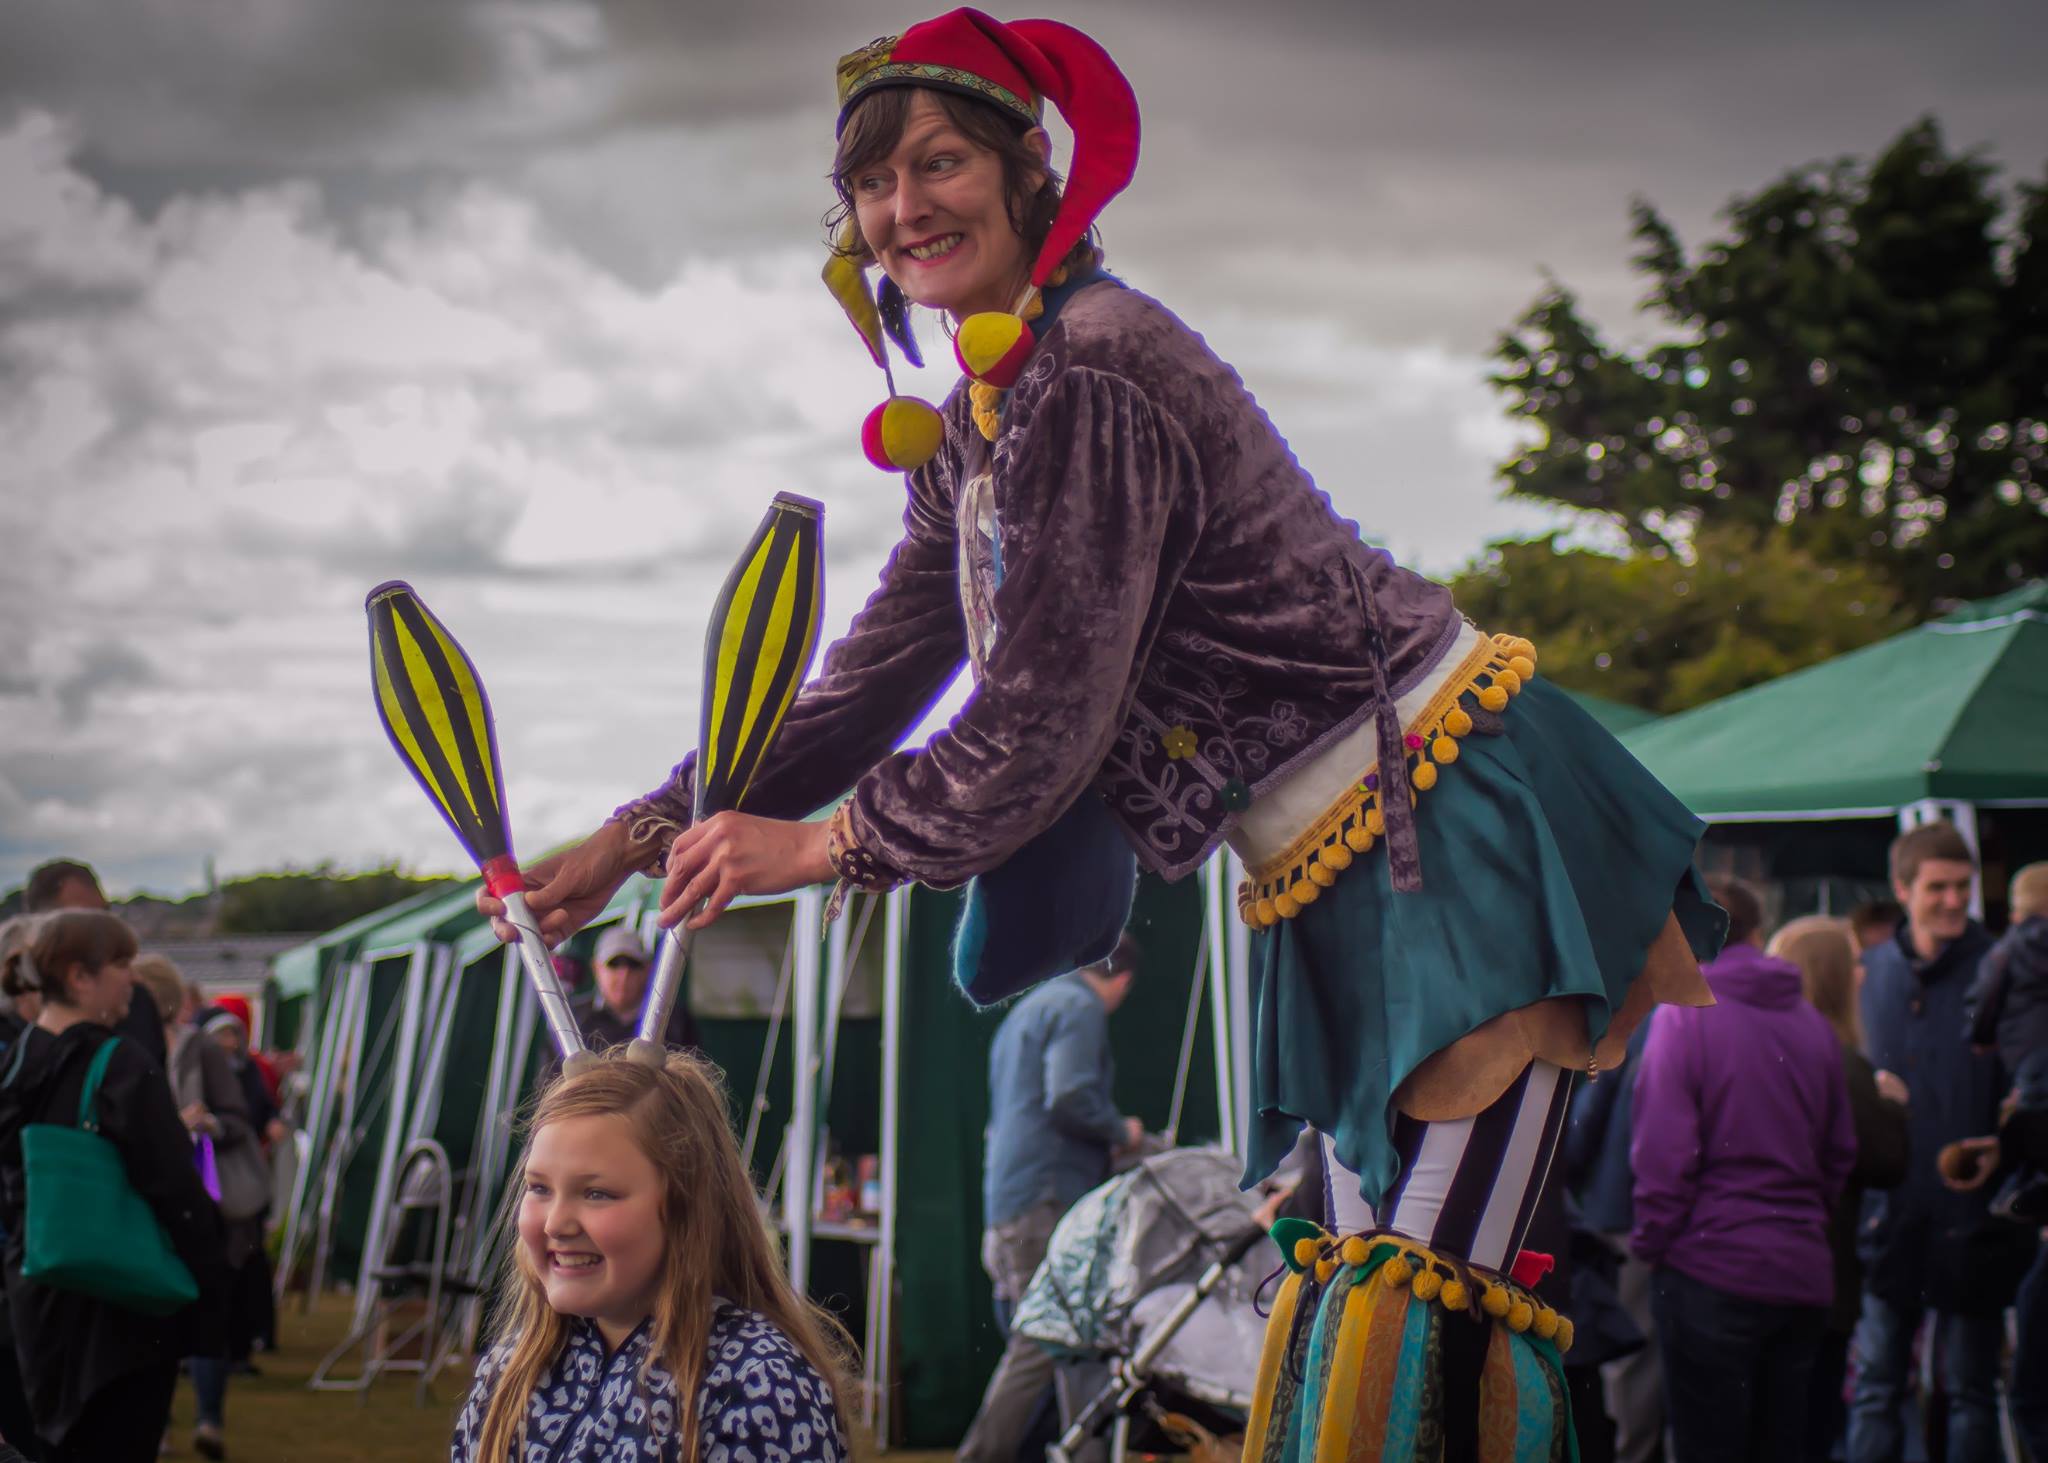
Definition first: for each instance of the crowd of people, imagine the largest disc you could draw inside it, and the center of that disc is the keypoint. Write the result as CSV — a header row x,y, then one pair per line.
x,y
1835,1168
192,1113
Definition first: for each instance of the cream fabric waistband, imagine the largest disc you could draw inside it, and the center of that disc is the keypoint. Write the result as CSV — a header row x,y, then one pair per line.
x,y
1281,815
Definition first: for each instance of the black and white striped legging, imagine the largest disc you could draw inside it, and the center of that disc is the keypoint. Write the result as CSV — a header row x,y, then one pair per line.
x,y
1467,1187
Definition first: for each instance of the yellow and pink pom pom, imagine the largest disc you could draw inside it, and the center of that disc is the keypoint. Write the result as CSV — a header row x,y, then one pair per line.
x,y
993,347
902,434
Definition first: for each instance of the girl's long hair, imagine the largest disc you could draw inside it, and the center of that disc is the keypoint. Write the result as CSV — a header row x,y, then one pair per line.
x,y
1825,952
717,1244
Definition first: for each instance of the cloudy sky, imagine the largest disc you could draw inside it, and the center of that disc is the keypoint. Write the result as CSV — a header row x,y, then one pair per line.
x,y
519,301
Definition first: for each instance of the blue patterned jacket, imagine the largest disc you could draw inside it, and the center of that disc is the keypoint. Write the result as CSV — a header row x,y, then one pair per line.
x,y
759,1399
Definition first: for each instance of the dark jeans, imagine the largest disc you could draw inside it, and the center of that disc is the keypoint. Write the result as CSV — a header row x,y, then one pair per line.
x,y
2030,1360
1735,1370
1827,1408
209,1389
123,1424
1967,1350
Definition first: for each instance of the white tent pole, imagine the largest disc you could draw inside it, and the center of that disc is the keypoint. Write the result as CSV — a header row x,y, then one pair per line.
x,y
805,920
1238,943
395,1127
882,1289
1215,928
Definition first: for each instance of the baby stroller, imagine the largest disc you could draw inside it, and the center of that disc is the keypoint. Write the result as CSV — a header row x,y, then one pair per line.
x,y
1152,1276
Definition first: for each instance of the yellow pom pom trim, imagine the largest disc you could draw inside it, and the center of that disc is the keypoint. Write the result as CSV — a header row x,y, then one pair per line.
x,y
1355,1251
1351,825
1427,1284
1564,1333
1455,1295
1398,1272
1305,1252
1522,666
1265,913
1326,1270
1546,1323
1493,1299
1520,1314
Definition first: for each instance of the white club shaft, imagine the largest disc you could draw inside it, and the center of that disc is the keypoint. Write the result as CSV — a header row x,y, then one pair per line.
x,y
666,983
540,973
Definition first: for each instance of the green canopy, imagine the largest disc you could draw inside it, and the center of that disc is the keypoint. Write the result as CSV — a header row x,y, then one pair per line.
x,y
1614,715
1955,709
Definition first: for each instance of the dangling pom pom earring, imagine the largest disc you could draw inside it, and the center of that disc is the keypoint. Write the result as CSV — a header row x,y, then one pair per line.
x,y
903,433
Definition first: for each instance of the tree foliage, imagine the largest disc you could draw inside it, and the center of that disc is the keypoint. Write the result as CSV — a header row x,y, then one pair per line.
x,y
314,899
1651,629
1861,362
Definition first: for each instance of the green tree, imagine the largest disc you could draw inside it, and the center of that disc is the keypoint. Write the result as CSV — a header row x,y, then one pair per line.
x,y
1861,361
1655,630
312,899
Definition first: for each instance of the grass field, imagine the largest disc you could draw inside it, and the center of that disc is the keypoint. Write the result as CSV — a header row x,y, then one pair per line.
x,y
273,1418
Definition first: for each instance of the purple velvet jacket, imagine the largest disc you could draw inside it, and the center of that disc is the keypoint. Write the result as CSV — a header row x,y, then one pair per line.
x,y
1167,568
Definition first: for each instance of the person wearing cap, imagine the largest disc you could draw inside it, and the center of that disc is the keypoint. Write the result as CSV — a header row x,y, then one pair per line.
x,y
1462,890
608,1009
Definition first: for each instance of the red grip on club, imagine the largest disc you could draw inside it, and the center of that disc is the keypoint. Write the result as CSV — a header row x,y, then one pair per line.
x,y
502,877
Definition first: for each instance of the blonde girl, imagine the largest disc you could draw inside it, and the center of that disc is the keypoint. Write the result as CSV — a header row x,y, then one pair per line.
x,y
647,1314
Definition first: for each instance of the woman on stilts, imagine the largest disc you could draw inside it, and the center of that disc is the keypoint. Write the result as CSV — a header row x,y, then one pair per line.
x,y
1464,893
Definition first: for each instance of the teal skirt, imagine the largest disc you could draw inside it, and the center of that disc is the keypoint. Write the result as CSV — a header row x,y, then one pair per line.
x,y
1551,859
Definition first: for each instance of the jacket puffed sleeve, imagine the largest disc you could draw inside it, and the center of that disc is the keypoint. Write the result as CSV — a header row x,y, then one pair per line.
x,y
877,681
1096,493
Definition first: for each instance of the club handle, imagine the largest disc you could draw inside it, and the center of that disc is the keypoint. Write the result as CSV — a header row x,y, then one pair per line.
x,y
540,974
666,982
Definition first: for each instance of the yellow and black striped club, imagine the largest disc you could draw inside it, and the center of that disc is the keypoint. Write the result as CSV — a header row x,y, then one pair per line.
x,y
435,711
758,649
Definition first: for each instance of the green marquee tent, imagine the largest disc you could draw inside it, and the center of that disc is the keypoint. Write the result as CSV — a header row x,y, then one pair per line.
x,y
1616,716
1954,711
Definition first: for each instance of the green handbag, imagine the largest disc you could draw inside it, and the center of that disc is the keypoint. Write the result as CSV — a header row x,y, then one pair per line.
x,y
87,1230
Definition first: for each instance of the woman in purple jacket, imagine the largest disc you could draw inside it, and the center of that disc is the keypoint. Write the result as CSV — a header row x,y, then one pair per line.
x,y
1458,903
1743,1139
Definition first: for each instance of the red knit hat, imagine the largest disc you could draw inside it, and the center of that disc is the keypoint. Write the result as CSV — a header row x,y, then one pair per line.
x,y
1018,67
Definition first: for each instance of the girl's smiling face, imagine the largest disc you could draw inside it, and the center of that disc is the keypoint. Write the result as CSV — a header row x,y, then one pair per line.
x,y
590,1222
936,215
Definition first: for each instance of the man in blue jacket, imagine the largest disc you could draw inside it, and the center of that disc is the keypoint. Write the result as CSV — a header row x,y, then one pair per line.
x,y
1053,1132
1925,1246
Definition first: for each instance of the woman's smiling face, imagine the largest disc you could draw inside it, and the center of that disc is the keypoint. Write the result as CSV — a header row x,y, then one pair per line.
x,y
590,1222
936,215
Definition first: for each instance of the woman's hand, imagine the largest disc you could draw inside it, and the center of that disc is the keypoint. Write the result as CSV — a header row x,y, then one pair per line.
x,y
1891,1085
197,1118
730,854
569,890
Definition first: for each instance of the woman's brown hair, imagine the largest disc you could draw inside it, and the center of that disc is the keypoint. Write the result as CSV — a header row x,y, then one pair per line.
x,y
92,938
716,1246
876,125
1824,949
